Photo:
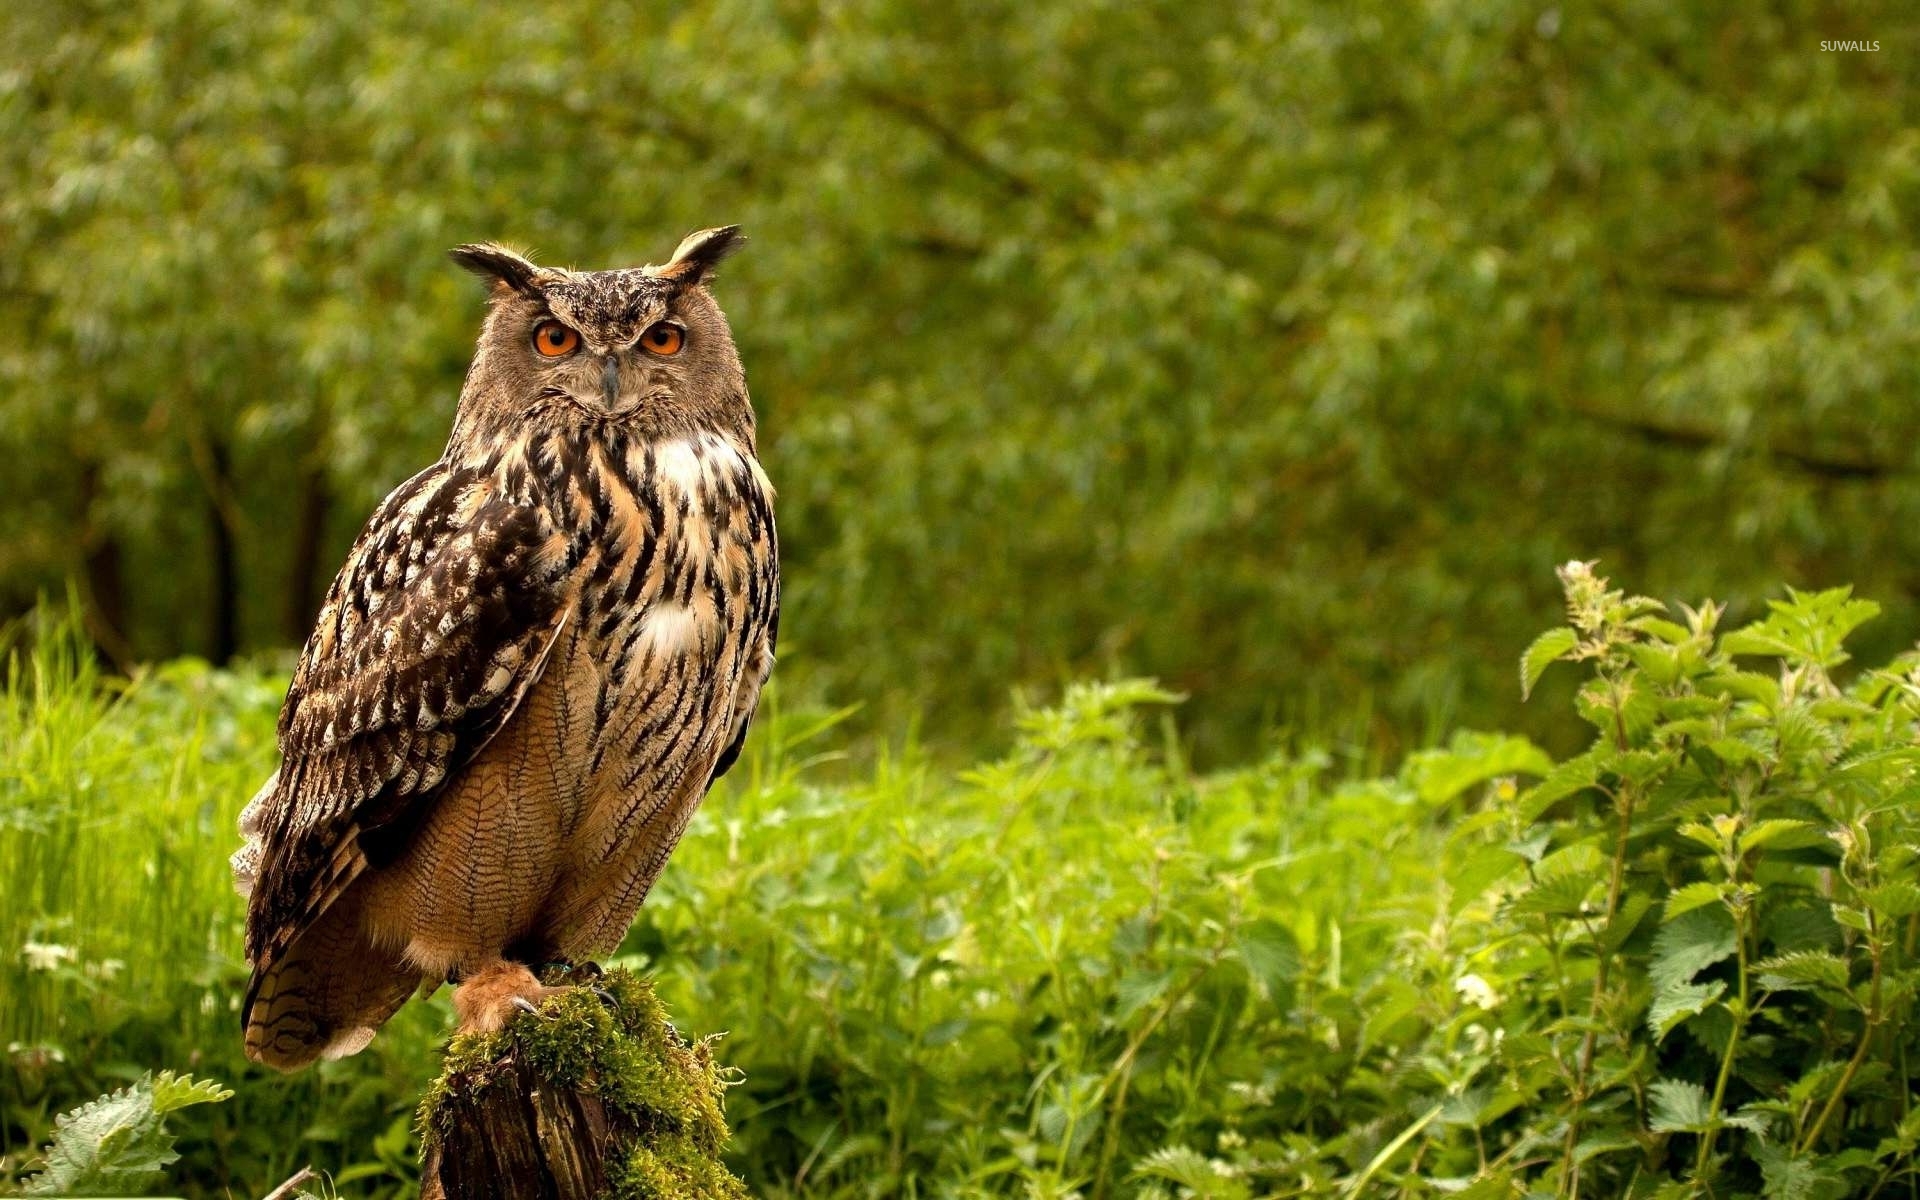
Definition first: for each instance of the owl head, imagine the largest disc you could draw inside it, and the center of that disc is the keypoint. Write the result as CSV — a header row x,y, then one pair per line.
x,y
646,348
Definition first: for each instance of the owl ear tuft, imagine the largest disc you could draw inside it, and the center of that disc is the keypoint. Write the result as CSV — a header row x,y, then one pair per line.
x,y
700,253
506,270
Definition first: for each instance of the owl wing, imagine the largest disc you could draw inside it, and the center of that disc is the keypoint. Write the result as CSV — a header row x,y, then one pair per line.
x,y
746,696
434,630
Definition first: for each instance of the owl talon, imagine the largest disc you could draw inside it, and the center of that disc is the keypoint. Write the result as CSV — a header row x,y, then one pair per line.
x,y
494,993
606,997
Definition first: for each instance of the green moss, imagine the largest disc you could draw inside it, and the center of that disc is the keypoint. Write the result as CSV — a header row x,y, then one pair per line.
x,y
632,1058
673,1170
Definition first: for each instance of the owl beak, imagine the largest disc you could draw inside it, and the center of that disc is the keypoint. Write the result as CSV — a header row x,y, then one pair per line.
x,y
610,381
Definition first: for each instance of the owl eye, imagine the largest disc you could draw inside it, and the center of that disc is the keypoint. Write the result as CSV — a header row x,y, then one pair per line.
x,y
554,340
664,338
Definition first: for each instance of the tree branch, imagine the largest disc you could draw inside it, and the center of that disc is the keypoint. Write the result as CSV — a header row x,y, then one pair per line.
x,y
1670,433
923,118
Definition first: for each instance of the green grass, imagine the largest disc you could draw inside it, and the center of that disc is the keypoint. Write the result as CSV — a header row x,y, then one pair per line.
x,y
120,938
1679,964
933,980
1020,978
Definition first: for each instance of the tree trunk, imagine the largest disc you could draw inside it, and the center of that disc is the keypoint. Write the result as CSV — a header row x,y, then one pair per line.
x,y
105,598
224,630
596,1095
309,539
514,1135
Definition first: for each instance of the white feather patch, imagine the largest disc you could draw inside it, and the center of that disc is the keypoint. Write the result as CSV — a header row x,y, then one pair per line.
x,y
256,809
676,462
348,1041
669,629
245,862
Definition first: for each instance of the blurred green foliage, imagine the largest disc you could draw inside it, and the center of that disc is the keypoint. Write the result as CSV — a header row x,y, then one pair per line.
x,y
1275,350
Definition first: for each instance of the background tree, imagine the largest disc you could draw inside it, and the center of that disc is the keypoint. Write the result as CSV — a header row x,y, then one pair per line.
x,y
1275,350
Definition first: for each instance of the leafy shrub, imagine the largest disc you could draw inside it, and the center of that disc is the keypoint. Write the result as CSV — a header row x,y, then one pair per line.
x,y
1684,961
1678,964
1063,967
118,1145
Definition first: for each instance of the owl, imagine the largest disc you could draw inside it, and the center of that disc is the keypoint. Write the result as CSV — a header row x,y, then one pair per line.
x,y
540,654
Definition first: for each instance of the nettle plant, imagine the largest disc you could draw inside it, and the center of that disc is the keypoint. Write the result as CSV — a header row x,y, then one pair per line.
x,y
1685,960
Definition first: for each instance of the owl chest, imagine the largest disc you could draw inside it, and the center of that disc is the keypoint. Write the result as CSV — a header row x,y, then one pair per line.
x,y
668,564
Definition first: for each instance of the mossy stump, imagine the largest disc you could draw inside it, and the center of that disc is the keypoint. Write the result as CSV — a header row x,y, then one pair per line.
x,y
579,1100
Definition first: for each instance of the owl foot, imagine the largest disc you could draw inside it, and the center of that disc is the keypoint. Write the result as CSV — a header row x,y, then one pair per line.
x,y
489,996
576,973
588,975
585,974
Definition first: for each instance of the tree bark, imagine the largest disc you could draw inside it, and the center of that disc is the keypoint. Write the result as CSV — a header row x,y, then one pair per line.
x,y
224,631
105,598
309,538
514,1135
595,1094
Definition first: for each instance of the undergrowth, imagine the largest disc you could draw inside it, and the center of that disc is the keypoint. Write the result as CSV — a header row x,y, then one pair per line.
x,y
1678,963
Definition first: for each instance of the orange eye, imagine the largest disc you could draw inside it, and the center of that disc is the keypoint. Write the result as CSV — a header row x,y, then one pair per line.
x,y
553,339
664,338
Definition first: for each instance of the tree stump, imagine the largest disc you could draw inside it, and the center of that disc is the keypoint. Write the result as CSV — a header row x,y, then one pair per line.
x,y
581,1100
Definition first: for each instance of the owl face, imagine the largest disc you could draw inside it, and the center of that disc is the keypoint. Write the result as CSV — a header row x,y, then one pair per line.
x,y
645,346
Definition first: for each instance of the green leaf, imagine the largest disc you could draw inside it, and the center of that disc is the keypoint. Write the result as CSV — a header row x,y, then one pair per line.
x,y
1663,629
1851,917
1816,1082
1574,775
1893,901
1706,835
1675,1004
1137,989
1472,874
1568,883
1271,954
1547,649
1566,895
1744,685
1759,1117
1695,895
171,1092
1878,767
1688,944
1804,969
1599,1144
1192,1171
1680,1106
1469,759
1633,908
1660,664
1805,627
1777,830
1755,642
117,1145
1786,1176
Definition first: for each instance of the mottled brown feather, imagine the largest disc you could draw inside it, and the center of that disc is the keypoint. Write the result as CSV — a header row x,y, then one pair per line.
x,y
429,637
540,654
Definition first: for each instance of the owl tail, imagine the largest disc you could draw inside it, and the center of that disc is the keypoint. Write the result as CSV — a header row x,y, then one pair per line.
x,y
326,995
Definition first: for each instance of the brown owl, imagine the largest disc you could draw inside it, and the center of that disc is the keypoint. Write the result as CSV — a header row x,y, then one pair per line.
x,y
541,652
